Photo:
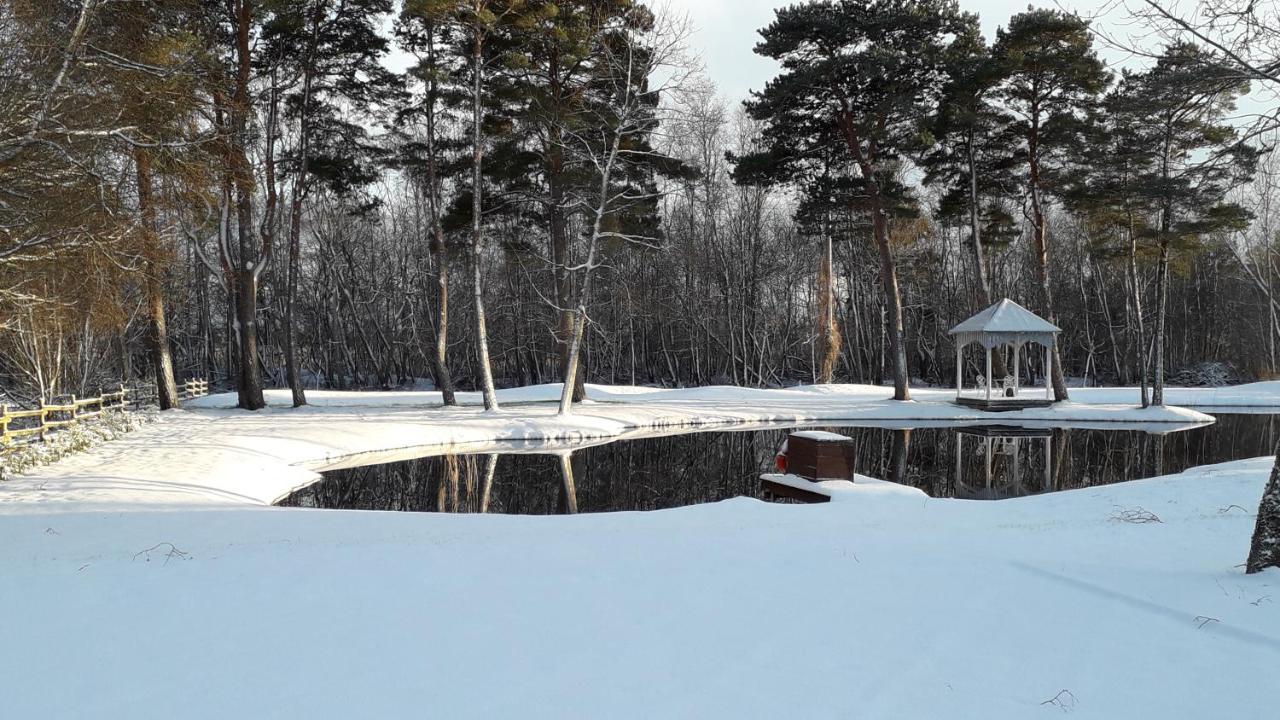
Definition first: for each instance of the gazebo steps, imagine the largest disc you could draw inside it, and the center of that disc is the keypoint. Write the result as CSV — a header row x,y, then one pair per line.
x,y
1000,404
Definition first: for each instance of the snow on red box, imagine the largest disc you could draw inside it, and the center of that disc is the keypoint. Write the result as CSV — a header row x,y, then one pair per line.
x,y
816,455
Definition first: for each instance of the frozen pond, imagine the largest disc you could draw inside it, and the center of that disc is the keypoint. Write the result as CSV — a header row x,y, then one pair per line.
x,y
676,470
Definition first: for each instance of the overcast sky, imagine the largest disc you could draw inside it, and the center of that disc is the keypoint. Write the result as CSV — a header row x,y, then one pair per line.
x,y
727,30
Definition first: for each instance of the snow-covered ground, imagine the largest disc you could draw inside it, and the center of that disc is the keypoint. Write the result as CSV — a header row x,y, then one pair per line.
x,y
880,604
212,453
146,579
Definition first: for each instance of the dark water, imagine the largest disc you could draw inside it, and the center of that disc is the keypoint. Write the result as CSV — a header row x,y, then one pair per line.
x,y
678,470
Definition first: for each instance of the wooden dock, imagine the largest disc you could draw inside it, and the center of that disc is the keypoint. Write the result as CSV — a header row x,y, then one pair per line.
x,y
1003,404
792,487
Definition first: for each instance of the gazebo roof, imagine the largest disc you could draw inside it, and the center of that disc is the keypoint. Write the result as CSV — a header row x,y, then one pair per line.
x,y
1005,322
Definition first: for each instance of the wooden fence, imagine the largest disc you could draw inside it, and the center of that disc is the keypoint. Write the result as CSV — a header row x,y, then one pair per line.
x,y
38,424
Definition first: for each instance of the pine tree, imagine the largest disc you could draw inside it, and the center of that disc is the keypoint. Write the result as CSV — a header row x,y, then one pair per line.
x,y
558,59
331,51
1050,77
1109,193
149,64
861,73
971,164
1196,157
426,149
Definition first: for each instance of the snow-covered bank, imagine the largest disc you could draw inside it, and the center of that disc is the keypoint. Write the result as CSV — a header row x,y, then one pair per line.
x,y
877,605
212,453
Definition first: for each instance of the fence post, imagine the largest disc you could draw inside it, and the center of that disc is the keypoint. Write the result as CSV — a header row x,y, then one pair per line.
x,y
75,411
4,426
43,414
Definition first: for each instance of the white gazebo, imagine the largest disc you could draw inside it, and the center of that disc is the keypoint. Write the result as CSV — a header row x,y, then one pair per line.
x,y
1005,323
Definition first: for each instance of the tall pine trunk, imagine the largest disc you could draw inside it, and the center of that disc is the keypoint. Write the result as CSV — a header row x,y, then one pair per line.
x,y
439,250
563,284
1040,239
888,272
1136,299
245,272
977,250
161,356
297,193
893,304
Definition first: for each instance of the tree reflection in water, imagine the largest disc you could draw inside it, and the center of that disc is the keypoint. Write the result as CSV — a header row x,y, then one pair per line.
x,y
677,470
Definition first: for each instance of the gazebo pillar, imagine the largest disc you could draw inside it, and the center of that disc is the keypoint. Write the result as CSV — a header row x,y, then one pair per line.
x,y
959,370
988,371
1017,375
1048,373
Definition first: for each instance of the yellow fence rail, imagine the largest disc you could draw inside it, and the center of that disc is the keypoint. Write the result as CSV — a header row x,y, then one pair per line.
x,y
39,423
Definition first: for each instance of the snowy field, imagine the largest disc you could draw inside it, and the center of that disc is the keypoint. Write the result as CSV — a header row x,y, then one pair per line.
x,y
881,604
145,579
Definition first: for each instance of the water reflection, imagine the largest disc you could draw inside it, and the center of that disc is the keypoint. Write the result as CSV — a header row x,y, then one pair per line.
x,y
677,470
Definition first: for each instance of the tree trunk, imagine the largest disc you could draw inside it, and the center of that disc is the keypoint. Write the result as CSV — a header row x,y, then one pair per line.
x,y
1136,299
828,331
893,303
439,359
1041,240
569,389
563,284
245,272
1162,303
439,250
161,357
888,273
477,230
297,193
985,297
1264,550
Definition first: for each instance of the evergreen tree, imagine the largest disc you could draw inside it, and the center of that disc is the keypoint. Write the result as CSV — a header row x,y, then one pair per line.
x,y
1049,77
426,147
862,73
558,62
329,52
150,64
971,164
1195,158
1110,195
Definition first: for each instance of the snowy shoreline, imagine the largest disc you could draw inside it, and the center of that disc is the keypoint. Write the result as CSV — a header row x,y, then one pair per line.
x,y
212,453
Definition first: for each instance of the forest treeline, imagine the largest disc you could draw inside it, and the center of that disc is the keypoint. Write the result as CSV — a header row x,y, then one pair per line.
x,y
485,193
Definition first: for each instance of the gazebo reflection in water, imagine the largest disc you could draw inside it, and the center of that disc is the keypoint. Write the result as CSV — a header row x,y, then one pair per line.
x,y
996,461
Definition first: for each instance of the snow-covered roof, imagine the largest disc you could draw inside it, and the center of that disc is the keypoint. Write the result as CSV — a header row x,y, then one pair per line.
x,y
1005,322
821,436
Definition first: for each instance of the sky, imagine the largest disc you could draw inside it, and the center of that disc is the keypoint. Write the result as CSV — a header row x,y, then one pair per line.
x,y
726,31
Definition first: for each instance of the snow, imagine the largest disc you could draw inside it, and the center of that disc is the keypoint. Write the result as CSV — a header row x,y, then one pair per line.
x,y
880,604
147,578
214,454
1005,316
820,435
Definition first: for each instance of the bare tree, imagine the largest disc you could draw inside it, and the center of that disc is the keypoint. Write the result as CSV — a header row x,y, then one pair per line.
x,y
638,66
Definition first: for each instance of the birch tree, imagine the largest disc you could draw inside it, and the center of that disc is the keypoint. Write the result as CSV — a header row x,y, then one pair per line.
x,y
638,63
